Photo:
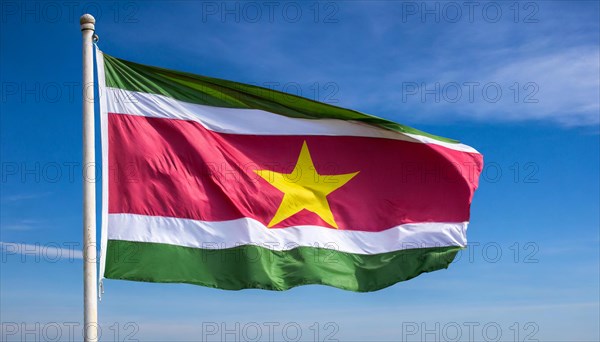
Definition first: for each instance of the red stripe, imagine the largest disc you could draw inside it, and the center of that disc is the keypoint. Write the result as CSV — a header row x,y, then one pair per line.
x,y
176,168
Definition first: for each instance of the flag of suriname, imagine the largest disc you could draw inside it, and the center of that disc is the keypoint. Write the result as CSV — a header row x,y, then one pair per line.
x,y
233,186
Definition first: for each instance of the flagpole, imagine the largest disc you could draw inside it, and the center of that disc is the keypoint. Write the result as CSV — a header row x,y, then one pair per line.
x,y
90,294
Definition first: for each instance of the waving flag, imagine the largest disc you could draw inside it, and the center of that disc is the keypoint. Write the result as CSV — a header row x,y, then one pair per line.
x,y
233,186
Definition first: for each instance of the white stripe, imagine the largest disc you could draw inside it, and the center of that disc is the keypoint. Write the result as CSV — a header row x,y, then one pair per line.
x,y
251,121
228,234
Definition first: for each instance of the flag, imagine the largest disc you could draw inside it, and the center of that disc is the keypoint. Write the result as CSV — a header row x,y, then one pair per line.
x,y
230,185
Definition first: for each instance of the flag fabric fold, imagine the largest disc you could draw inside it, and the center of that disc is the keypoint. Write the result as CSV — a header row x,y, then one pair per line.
x,y
233,186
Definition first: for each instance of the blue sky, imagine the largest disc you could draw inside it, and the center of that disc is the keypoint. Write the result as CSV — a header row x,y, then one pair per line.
x,y
519,81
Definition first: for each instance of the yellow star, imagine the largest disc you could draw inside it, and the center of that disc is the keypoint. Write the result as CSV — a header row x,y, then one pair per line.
x,y
304,188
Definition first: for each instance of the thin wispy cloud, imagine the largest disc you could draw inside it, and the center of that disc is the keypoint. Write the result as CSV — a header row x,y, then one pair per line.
x,y
560,87
24,197
47,251
21,225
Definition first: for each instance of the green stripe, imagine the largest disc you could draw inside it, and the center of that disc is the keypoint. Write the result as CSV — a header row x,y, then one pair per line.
x,y
216,92
257,267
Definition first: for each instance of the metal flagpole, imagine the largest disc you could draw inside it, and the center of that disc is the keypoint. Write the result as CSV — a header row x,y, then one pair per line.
x,y
90,294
